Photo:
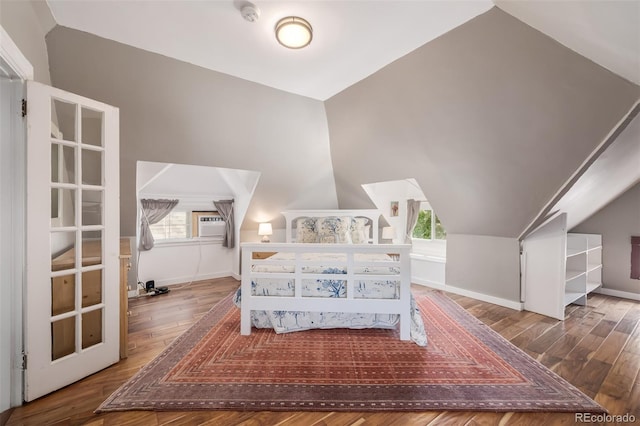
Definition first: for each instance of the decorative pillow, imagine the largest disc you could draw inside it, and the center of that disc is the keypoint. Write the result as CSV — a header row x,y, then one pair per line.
x,y
306,231
359,230
334,230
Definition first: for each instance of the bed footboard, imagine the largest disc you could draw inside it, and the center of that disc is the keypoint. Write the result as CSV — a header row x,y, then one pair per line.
x,y
296,268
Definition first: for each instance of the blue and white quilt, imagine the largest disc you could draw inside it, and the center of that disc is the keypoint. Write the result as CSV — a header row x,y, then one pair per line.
x,y
288,321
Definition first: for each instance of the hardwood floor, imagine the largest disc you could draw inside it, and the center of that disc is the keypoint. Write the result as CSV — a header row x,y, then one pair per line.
x,y
597,348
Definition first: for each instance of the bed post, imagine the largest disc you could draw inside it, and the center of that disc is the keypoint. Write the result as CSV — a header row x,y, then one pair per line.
x,y
245,311
405,293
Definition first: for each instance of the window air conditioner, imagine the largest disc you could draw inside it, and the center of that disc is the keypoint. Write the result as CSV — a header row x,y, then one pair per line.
x,y
211,226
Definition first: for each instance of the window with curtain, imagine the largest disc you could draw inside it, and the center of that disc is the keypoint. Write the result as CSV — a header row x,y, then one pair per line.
x,y
176,225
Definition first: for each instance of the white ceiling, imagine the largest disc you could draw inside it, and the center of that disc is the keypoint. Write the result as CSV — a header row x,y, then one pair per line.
x,y
351,40
189,181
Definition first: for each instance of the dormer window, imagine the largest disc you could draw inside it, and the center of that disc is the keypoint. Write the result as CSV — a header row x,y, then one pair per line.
x,y
428,227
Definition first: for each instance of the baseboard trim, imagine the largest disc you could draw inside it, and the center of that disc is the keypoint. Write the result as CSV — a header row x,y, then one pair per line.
x,y
618,293
186,280
518,306
428,283
189,279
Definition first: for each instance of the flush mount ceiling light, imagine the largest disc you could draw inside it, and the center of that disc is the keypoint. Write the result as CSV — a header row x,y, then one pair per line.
x,y
294,32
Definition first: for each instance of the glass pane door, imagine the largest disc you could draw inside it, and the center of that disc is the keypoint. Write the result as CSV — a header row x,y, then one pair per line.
x,y
72,291
76,228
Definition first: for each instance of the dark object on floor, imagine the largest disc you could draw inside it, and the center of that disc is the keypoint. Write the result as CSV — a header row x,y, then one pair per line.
x,y
160,290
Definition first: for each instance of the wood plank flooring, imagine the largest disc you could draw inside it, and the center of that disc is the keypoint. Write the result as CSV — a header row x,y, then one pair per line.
x,y
597,348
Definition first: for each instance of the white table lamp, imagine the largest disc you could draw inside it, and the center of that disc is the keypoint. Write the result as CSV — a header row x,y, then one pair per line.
x,y
265,230
388,233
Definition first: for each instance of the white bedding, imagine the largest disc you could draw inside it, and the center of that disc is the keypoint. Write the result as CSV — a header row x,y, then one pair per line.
x,y
329,263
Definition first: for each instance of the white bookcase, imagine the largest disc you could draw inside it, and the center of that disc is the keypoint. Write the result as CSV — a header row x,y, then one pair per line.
x,y
583,267
559,268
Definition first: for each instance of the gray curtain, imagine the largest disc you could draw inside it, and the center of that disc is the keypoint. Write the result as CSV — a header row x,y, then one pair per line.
x,y
413,209
153,211
225,208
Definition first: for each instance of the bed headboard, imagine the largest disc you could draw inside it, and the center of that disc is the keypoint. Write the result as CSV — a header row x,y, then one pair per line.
x,y
372,216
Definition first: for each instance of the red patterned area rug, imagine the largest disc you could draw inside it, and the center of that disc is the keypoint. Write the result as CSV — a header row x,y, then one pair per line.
x,y
465,366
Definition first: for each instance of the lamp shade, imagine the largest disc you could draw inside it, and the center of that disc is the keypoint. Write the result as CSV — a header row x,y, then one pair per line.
x,y
388,233
265,229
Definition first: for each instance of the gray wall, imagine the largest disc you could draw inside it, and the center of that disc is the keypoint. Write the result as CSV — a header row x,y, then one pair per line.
x,y
27,22
174,112
617,222
491,118
488,265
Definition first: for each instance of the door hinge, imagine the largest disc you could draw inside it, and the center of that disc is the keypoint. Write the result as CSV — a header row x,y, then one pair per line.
x,y
24,108
24,361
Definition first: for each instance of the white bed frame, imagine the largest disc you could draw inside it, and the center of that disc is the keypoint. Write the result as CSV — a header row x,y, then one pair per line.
x,y
400,306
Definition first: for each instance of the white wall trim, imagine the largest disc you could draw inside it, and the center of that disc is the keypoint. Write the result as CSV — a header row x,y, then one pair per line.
x,y
429,283
14,57
20,66
474,295
618,293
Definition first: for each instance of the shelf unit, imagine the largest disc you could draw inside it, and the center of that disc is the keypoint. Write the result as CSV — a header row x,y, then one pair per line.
x,y
559,268
583,267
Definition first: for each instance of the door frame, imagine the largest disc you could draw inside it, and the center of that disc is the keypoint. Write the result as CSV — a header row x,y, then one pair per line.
x,y
15,146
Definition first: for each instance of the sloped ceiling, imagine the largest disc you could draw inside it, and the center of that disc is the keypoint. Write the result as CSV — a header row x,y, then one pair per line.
x,y
352,39
491,119
611,174
607,32
185,180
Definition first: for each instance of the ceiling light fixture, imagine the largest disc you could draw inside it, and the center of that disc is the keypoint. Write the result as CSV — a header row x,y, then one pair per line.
x,y
294,32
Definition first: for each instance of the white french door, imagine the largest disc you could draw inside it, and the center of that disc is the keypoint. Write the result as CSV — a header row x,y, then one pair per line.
x,y
72,280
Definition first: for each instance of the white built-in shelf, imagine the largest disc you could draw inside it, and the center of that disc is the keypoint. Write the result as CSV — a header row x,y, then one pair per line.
x,y
593,267
583,267
571,296
591,286
560,268
574,252
572,274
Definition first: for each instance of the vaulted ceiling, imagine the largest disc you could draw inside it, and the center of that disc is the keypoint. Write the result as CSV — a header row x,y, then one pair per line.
x,y
351,39
484,104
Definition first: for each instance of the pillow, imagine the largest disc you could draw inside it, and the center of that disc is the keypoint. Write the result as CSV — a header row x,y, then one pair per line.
x,y
334,230
306,231
359,230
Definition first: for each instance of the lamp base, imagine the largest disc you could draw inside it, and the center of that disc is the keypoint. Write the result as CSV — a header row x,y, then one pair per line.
x,y
266,239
